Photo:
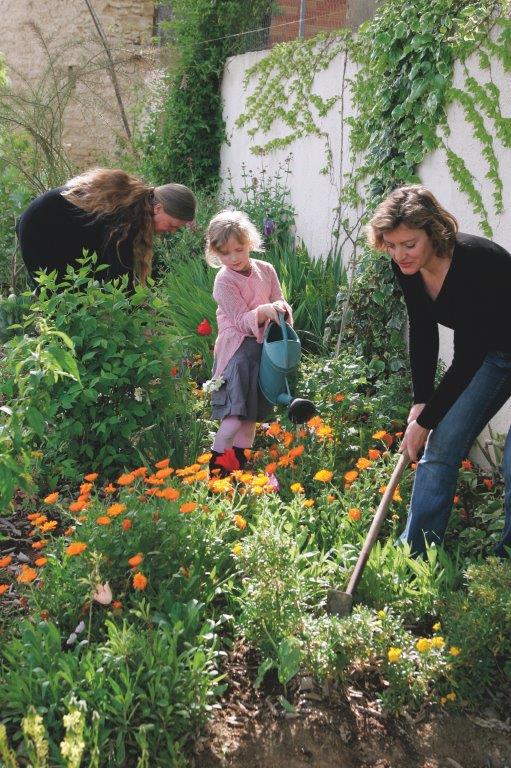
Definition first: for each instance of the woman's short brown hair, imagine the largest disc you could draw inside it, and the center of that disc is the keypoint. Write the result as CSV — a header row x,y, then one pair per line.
x,y
415,207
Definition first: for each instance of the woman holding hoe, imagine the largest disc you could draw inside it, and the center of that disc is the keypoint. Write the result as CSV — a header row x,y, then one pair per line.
x,y
103,211
463,282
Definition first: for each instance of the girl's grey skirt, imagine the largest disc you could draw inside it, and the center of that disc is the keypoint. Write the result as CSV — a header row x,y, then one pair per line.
x,y
241,395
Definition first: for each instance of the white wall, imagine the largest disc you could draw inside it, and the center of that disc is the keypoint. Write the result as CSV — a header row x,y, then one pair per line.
x,y
314,196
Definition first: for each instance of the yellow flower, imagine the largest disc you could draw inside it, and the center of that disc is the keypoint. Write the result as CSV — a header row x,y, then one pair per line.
x,y
204,458
382,615
237,549
297,488
437,627
363,463
423,645
260,480
324,475
308,503
451,696
394,654
437,642
378,435
240,522
454,650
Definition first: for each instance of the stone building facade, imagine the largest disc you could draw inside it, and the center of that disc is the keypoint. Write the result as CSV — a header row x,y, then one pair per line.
x,y
65,28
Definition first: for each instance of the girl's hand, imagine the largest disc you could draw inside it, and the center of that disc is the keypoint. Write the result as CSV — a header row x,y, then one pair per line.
x,y
280,306
266,312
414,439
415,412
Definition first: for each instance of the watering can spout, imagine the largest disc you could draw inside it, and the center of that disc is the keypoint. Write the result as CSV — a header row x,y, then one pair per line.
x,y
279,359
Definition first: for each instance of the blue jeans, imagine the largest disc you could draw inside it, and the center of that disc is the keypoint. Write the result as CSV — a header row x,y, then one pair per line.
x,y
448,444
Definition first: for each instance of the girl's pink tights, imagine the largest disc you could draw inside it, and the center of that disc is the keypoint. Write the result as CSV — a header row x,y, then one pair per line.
x,y
234,431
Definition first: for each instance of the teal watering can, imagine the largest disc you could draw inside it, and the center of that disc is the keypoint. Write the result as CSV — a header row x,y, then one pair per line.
x,y
279,359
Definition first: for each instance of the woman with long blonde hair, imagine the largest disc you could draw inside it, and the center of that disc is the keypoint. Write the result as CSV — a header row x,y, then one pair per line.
x,y
104,211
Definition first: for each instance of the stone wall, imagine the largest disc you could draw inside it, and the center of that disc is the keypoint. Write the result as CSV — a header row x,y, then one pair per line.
x,y
93,124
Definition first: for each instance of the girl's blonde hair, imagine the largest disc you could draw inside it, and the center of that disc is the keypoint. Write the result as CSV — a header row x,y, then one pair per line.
x,y
225,225
128,204
417,208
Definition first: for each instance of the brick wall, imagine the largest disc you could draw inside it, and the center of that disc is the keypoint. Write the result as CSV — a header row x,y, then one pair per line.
x,y
320,16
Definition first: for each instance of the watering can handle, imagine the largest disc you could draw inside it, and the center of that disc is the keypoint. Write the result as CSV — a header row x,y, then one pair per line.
x,y
283,326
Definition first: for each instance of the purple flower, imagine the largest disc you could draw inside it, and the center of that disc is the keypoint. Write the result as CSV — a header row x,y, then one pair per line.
x,y
268,227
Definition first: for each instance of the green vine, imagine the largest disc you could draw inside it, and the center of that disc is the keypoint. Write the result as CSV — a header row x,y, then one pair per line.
x,y
182,139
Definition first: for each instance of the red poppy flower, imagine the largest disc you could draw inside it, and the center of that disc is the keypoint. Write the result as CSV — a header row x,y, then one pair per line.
x,y
204,328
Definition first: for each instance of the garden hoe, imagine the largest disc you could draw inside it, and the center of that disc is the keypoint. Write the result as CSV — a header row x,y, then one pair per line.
x,y
338,602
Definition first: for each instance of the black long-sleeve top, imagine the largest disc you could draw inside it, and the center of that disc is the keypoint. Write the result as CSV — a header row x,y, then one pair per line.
x,y
474,302
53,233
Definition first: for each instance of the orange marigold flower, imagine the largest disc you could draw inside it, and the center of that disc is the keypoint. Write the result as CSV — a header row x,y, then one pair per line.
x,y
240,522
116,509
354,514
39,544
315,422
51,498
139,581
274,429
69,530
126,479
116,605
339,397
308,503
363,463
126,524
285,461
296,488
387,439
270,468
466,464
287,438
488,483
324,431
330,498
109,489
77,506
373,454
3,588
26,575
153,480
40,561
162,464
5,561
85,489
33,515
164,473
170,494
456,500
49,526
40,520
324,475
136,560
204,458
140,472
91,477
103,520
350,476
188,506
296,451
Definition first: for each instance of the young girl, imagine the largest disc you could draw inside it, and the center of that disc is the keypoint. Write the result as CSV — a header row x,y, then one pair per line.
x,y
248,295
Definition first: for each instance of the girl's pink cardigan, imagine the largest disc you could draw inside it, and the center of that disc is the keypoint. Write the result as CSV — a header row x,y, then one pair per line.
x,y
238,297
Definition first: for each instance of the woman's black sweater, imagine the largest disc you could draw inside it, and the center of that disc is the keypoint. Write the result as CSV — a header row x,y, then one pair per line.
x,y
53,233
473,301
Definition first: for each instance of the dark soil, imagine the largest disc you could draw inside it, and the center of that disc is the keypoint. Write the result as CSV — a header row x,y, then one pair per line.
x,y
342,729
